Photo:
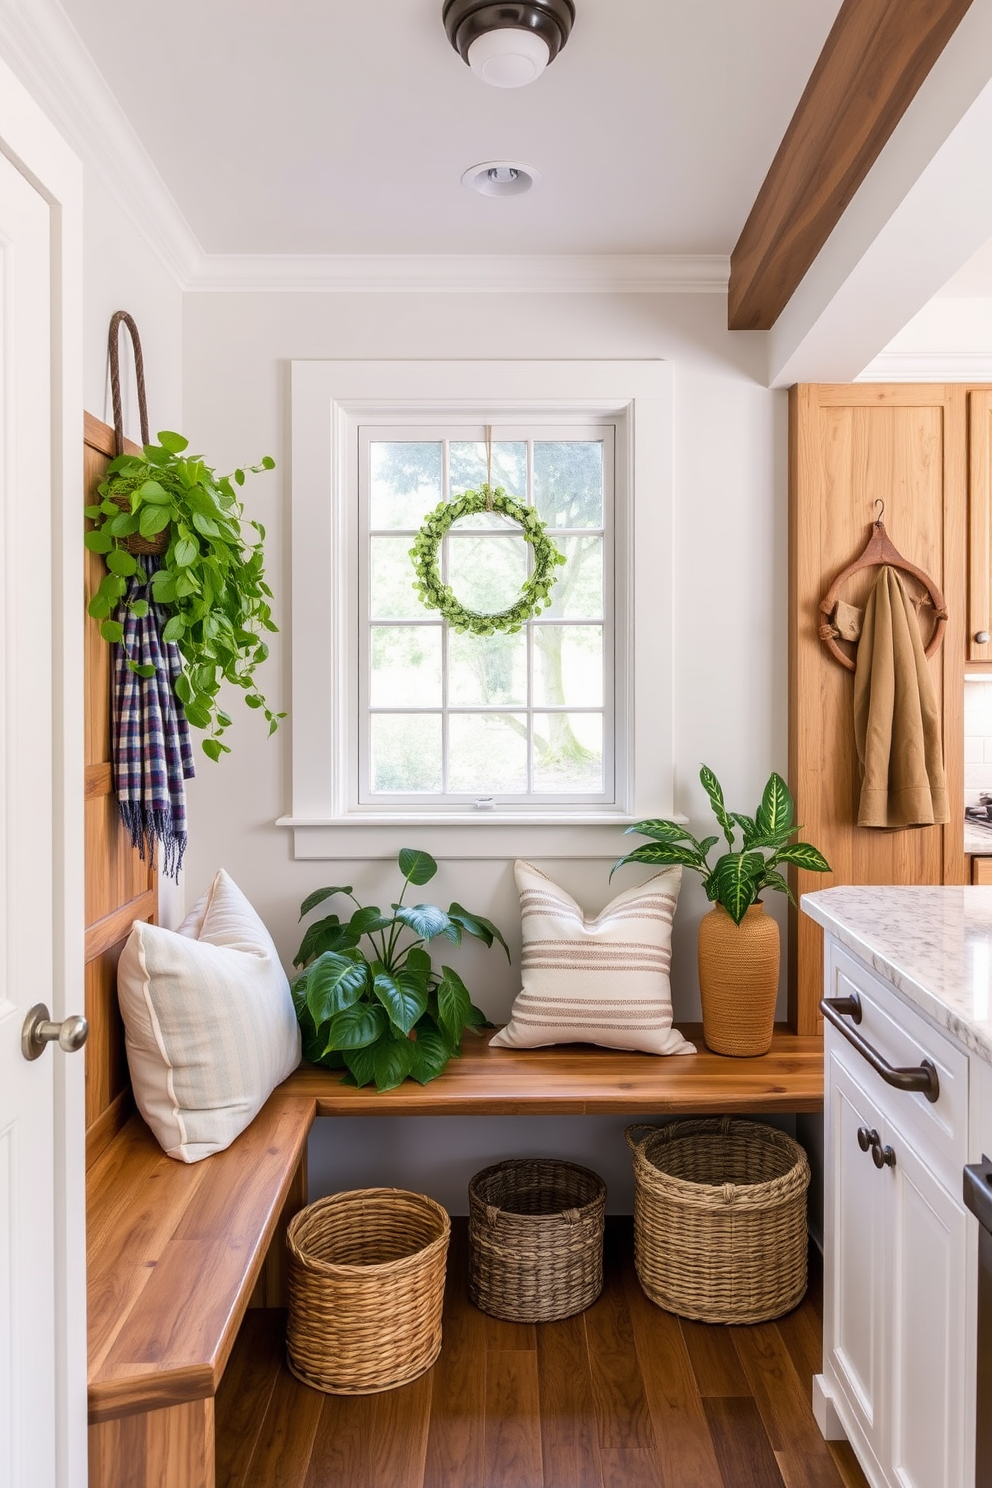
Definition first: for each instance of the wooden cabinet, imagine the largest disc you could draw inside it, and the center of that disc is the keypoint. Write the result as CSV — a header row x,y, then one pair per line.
x,y
848,447
979,641
896,1360
981,871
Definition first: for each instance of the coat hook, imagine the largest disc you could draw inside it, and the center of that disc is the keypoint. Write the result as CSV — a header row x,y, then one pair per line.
x,y
878,519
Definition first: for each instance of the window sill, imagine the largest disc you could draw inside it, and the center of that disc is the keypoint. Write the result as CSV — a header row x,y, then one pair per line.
x,y
457,837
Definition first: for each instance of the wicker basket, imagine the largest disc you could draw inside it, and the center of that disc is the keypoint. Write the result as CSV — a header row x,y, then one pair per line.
x,y
136,545
720,1218
366,1288
535,1239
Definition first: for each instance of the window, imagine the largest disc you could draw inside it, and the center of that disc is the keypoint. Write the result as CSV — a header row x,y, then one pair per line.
x,y
485,720
540,742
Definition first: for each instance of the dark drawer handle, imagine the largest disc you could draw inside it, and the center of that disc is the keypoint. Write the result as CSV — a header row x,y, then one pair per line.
x,y
923,1077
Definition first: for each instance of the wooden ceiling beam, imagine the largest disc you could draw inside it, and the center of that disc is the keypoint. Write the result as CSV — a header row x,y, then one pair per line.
x,y
872,64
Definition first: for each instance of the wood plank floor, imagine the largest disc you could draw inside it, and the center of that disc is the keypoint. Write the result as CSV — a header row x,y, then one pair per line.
x,y
623,1396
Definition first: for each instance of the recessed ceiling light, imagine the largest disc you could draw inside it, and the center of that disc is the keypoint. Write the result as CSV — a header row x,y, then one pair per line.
x,y
501,178
508,45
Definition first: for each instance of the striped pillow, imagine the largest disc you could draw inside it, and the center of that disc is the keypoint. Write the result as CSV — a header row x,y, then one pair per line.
x,y
602,981
209,1022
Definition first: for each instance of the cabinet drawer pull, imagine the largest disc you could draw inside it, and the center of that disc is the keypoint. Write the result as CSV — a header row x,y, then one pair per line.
x,y
882,1157
867,1137
922,1077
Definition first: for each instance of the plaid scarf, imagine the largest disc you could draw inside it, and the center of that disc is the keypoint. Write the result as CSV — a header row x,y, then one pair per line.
x,y
152,751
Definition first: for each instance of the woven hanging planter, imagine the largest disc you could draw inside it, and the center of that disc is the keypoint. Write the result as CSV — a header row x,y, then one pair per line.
x,y
535,1239
366,1289
135,544
720,1218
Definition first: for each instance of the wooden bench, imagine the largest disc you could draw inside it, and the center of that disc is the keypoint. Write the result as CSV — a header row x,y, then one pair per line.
x,y
177,1252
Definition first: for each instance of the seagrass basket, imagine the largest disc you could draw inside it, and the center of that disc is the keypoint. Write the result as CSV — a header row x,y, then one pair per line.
x,y
720,1218
366,1288
535,1239
136,545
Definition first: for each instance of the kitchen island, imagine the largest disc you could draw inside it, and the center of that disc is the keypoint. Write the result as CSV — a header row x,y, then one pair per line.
x,y
908,1102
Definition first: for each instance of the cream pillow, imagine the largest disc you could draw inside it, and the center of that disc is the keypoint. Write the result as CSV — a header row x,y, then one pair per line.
x,y
210,1025
602,981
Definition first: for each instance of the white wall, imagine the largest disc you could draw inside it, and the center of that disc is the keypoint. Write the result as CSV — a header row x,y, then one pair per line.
x,y
729,643
123,272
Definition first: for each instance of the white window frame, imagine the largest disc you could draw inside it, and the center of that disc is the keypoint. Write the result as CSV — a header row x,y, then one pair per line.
x,y
615,681
330,401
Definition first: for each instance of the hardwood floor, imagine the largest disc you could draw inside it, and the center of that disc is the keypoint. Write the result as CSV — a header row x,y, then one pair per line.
x,y
623,1396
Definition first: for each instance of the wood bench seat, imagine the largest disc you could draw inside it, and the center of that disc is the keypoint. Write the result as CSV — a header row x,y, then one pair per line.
x,y
579,1080
176,1251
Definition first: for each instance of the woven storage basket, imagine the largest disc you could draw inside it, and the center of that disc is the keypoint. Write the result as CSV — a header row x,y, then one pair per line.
x,y
366,1288
720,1218
136,545
535,1239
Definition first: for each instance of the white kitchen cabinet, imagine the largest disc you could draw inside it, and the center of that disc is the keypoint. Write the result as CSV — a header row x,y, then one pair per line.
x,y
896,1244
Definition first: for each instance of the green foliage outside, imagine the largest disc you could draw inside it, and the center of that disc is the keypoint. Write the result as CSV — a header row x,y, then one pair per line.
x,y
211,581
385,1014
738,877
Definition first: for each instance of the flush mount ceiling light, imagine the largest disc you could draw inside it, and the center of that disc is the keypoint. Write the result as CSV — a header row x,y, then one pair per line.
x,y
508,45
501,178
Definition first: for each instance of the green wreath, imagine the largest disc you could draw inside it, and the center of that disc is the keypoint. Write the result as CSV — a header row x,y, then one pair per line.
x,y
436,595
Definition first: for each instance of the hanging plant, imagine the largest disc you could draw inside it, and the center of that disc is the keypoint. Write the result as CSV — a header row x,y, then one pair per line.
x,y
437,595
210,581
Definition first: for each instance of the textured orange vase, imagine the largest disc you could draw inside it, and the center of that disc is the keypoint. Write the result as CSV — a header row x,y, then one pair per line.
x,y
738,980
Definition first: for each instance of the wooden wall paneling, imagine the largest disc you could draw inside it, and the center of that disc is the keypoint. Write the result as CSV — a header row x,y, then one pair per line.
x,y
120,888
848,446
872,64
979,524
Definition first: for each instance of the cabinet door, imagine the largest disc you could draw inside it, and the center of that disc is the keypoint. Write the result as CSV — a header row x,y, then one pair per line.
x,y
855,1265
926,1345
980,526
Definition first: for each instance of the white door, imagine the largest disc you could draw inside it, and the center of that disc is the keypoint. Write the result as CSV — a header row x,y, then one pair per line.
x,y
27,1222
42,1283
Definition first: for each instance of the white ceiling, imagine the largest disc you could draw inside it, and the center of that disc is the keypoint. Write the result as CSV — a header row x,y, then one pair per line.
x,y
319,126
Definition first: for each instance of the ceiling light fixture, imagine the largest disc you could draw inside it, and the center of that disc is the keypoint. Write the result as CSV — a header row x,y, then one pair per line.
x,y
508,45
501,178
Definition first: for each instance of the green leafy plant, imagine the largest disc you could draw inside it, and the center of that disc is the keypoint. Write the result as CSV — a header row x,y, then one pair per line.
x,y
211,581
737,878
389,1014
436,594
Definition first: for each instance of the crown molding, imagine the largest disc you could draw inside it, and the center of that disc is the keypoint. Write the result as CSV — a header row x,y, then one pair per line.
x,y
893,366
463,273
43,48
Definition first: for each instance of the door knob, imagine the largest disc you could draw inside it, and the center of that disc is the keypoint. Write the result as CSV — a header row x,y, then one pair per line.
x,y
39,1030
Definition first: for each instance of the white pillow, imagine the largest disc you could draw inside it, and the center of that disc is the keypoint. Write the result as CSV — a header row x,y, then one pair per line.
x,y
210,1023
602,981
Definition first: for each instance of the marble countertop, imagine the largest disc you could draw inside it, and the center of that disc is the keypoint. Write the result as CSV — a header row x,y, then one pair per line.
x,y
977,840
933,944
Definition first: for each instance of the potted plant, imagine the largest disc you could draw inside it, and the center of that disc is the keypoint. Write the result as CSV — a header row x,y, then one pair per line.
x,y
210,581
738,942
387,1014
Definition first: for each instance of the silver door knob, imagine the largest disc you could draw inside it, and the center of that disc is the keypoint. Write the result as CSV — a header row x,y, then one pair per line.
x,y
39,1030
983,637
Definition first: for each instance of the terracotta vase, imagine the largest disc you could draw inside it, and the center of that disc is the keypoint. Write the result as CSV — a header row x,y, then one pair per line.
x,y
738,980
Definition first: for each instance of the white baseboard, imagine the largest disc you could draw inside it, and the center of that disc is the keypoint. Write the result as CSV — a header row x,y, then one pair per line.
x,y
825,1412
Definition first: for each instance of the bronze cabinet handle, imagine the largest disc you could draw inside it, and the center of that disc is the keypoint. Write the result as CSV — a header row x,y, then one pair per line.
x,y
922,1077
